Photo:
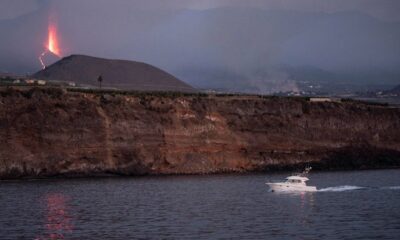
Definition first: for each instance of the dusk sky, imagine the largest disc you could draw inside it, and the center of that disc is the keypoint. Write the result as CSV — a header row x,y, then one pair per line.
x,y
207,43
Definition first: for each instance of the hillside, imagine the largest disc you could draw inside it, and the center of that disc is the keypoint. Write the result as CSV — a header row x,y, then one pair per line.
x,y
121,74
395,90
52,132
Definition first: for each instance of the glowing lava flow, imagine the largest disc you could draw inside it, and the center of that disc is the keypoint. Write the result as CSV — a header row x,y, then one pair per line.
x,y
41,59
52,44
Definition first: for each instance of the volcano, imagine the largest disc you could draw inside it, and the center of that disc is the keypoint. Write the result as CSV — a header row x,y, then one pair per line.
x,y
120,74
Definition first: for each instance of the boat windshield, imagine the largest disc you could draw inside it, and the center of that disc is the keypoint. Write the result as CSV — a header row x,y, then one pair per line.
x,y
293,181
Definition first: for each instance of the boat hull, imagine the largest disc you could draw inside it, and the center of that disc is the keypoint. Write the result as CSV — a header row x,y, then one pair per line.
x,y
283,187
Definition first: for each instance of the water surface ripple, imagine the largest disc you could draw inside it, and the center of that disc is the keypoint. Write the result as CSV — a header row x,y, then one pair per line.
x,y
350,205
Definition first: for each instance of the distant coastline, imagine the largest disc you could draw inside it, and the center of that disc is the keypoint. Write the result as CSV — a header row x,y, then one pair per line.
x,y
56,132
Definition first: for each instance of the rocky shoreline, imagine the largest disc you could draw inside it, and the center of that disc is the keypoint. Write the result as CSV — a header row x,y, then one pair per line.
x,y
58,132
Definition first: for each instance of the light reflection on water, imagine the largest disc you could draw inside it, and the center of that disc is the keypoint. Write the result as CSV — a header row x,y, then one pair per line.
x,y
202,207
58,220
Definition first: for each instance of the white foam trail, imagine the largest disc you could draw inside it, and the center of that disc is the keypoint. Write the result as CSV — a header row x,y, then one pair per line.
x,y
340,188
392,187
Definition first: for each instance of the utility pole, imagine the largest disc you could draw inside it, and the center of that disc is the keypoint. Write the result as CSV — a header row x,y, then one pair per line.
x,y
100,80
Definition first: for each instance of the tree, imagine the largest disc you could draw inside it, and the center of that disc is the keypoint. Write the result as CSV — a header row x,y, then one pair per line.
x,y
100,80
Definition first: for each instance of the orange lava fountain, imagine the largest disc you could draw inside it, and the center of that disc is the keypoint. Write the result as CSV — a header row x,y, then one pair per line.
x,y
52,44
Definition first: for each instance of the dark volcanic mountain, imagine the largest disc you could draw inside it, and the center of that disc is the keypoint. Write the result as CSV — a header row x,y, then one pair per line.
x,y
121,74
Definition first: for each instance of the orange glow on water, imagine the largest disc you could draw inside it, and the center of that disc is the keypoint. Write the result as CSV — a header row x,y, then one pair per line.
x,y
58,220
53,42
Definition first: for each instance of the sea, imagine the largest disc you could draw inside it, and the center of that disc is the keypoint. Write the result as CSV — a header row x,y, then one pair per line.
x,y
348,205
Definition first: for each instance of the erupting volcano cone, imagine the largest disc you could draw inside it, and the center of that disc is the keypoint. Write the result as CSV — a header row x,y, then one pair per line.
x,y
52,52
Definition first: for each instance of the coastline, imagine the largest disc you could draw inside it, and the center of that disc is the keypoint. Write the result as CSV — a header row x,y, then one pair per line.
x,y
47,133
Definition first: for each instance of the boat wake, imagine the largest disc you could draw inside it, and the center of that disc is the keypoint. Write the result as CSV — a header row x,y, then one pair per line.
x,y
346,188
340,188
352,188
392,187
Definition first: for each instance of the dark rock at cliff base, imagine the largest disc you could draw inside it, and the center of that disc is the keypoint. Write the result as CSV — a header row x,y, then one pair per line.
x,y
121,74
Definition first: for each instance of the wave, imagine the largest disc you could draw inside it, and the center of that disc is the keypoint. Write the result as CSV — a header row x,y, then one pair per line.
x,y
392,187
340,188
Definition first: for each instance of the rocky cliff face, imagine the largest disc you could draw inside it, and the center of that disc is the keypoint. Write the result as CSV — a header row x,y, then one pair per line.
x,y
50,132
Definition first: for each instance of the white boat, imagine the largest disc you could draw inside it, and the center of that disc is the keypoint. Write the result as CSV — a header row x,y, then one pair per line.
x,y
295,183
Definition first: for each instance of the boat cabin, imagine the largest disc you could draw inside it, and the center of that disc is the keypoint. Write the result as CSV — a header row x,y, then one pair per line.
x,y
296,180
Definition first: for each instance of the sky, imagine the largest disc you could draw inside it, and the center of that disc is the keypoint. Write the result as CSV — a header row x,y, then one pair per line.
x,y
214,43
383,9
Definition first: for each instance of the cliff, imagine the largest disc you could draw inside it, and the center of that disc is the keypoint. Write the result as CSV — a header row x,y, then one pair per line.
x,y
52,132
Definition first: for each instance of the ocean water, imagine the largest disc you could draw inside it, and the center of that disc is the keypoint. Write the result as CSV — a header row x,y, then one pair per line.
x,y
349,205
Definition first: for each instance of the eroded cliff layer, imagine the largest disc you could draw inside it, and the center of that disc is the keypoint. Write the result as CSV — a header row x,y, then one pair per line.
x,y
50,132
